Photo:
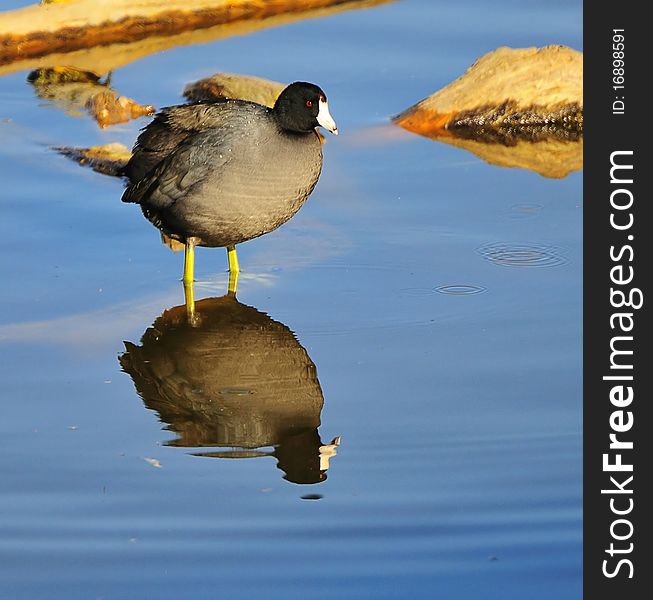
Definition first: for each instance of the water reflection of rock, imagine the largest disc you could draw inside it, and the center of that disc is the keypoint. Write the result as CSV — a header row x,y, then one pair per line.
x,y
554,158
233,378
78,91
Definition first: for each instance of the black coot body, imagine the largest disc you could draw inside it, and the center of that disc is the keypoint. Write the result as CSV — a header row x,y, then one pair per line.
x,y
223,173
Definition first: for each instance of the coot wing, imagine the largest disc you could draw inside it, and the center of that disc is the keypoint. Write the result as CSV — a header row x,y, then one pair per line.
x,y
188,165
169,129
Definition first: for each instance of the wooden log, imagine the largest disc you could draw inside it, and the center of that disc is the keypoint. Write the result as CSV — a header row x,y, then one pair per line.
x,y
60,29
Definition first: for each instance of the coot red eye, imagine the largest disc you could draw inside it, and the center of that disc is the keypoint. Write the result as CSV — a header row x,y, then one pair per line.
x,y
309,103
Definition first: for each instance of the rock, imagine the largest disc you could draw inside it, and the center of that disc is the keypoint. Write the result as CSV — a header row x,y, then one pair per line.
x,y
233,86
506,104
108,159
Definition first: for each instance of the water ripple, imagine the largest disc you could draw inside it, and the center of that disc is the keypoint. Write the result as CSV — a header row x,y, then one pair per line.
x,y
509,254
525,210
460,289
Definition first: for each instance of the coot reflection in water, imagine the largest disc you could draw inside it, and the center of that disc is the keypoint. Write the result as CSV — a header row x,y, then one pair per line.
x,y
229,376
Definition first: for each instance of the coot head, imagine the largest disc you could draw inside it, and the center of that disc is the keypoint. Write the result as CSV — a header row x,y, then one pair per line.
x,y
303,106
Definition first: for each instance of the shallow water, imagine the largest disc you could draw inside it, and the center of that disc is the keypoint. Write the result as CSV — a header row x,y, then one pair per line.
x,y
438,298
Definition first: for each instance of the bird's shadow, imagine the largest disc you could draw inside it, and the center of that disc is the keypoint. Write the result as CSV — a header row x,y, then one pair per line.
x,y
231,382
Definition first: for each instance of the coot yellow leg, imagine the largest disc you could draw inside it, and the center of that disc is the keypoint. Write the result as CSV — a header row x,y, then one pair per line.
x,y
189,262
234,269
189,297
233,259
233,283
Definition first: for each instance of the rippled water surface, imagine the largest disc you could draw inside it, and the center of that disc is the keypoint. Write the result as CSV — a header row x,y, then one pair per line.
x,y
392,408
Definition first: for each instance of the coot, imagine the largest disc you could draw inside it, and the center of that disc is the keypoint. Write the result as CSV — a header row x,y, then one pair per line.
x,y
222,173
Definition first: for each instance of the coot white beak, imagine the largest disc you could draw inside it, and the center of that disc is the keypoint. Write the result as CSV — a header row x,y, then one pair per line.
x,y
325,119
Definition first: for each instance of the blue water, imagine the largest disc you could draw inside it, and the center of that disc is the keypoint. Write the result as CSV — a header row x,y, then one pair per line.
x,y
458,474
